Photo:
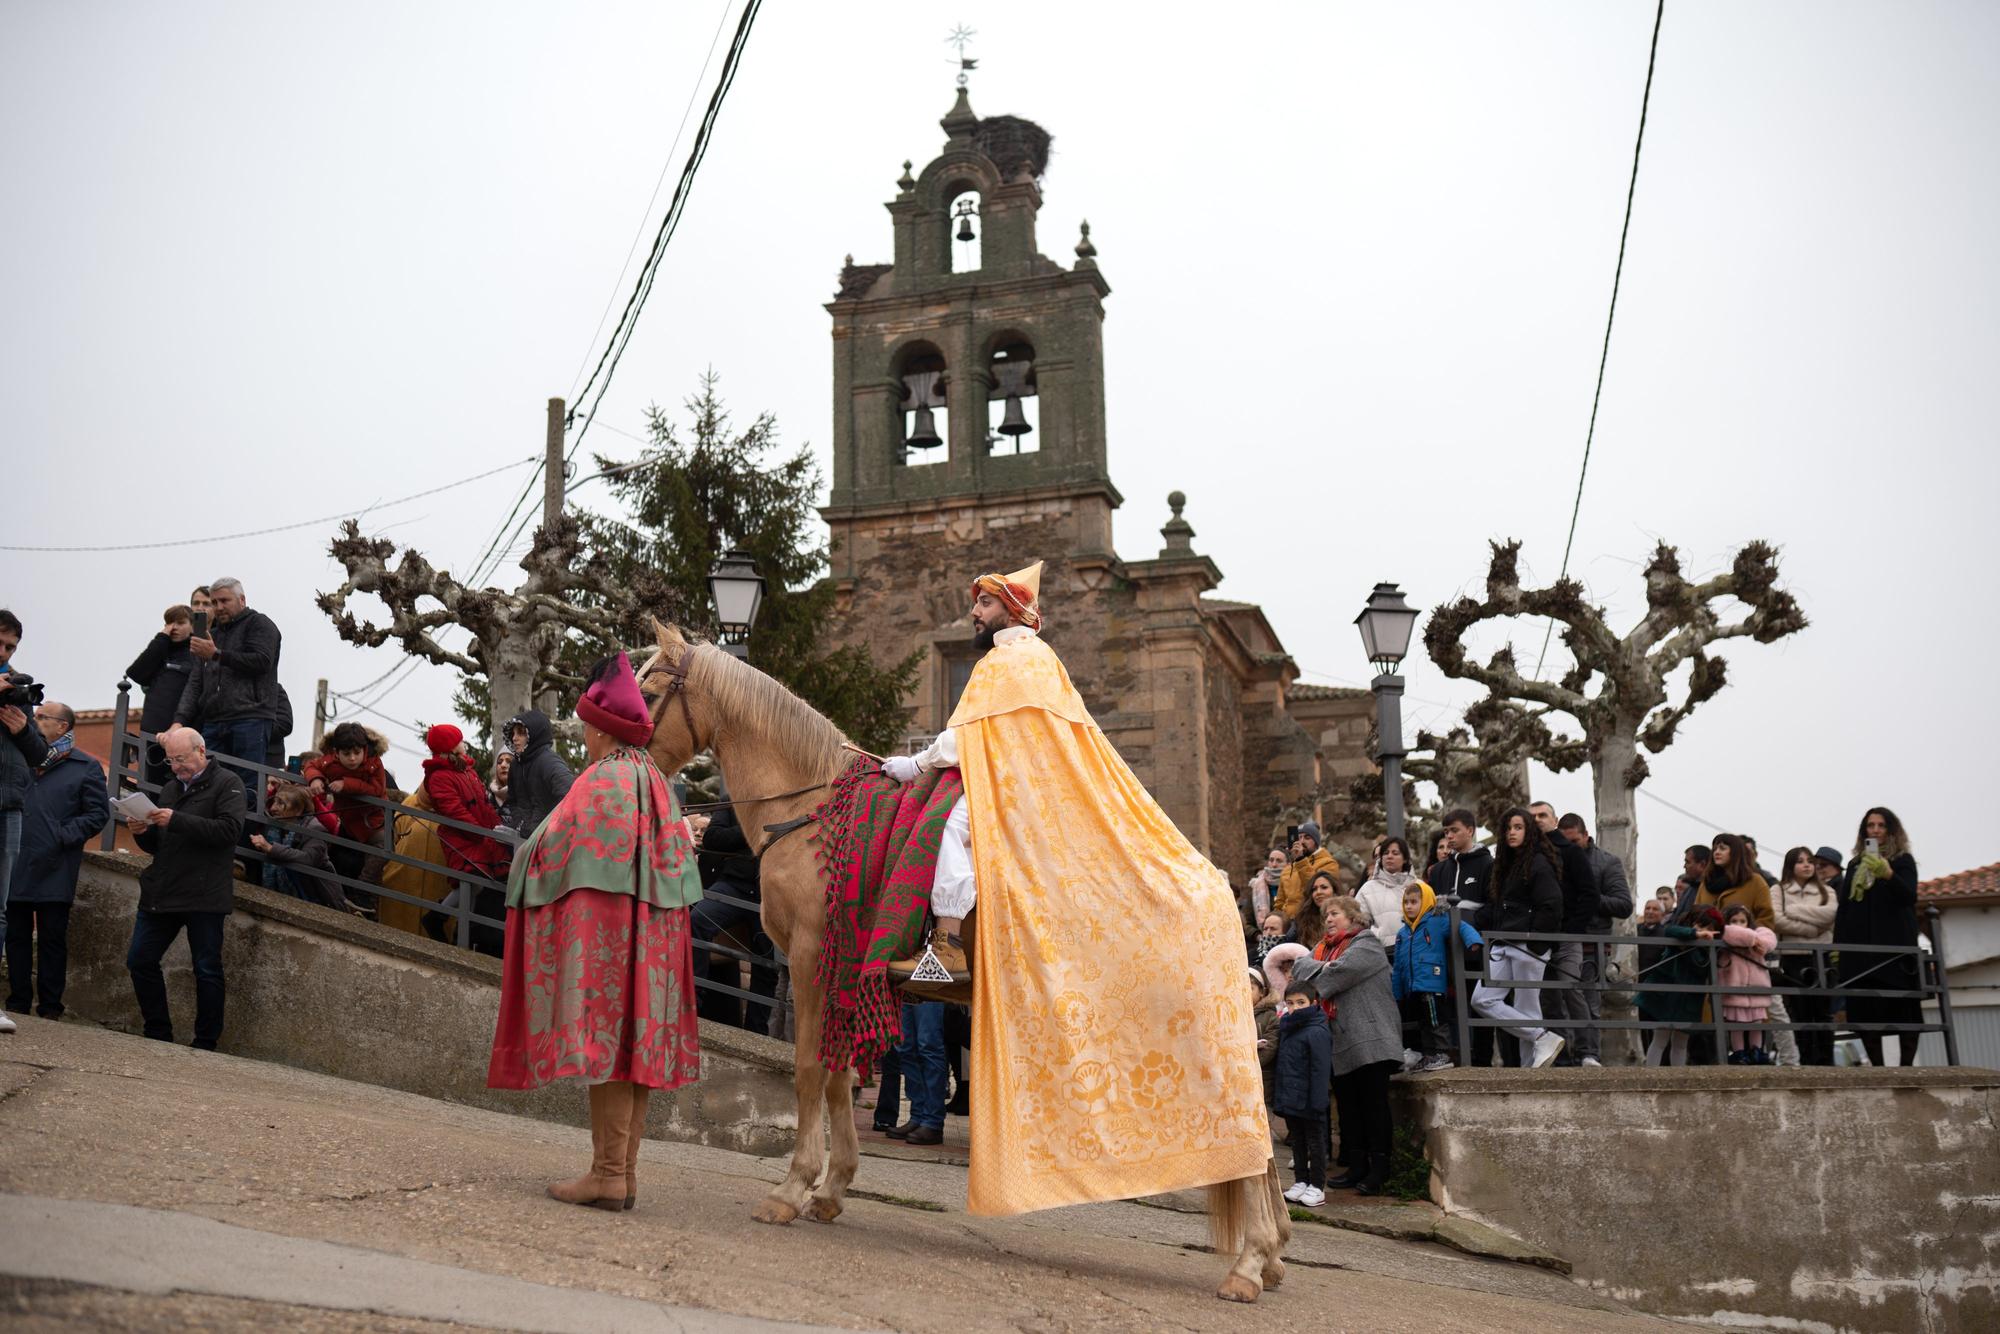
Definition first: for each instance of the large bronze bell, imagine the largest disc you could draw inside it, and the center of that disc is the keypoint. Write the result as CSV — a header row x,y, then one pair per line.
x,y
1015,421
965,227
924,434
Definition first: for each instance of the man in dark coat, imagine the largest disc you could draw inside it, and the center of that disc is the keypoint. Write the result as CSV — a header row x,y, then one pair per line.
x,y
728,867
1579,911
540,778
1463,872
162,670
22,747
232,694
1614,905
188,886
66,805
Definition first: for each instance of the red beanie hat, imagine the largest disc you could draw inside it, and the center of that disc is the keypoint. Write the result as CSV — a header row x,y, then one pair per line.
x,y
443,738
613,704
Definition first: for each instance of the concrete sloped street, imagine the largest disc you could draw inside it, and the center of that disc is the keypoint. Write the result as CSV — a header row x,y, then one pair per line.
x,y
144,1186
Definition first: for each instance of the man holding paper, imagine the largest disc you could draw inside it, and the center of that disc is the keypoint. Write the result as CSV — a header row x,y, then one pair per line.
x,y
192,837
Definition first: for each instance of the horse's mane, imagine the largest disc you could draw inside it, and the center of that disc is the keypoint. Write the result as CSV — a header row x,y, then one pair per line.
x,y
756,705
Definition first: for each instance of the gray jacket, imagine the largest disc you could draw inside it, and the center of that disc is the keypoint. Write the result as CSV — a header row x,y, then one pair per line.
x,y
1366,1025
1614,890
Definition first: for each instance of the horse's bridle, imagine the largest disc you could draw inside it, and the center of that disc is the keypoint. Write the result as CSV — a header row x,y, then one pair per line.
x,y
677,688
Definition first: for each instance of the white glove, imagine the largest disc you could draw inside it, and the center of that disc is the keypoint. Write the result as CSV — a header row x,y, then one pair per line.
x,y
901,768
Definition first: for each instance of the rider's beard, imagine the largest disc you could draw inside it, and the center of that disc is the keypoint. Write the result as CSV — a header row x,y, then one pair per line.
x,y
982,637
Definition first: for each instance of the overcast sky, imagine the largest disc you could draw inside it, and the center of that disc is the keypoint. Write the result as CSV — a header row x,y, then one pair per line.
x,y
263,263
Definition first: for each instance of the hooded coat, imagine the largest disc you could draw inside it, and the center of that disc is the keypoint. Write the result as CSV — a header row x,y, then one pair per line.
x,y
1422,963
1302,1076
1382,899
540,779
457,793
1292,884
358,820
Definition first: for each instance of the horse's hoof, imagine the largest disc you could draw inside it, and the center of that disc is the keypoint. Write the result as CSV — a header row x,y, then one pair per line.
x,y
1236,1288
775,1212
1274,1274
822,1209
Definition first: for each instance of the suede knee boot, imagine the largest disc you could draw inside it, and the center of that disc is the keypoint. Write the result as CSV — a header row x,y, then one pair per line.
x,y
603,1186
640,1097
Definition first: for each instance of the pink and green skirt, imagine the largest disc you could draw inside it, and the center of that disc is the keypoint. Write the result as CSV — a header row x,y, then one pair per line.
x,y
596,986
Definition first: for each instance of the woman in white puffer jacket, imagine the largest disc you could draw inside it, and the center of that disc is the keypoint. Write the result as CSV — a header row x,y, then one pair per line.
x,y
1382,896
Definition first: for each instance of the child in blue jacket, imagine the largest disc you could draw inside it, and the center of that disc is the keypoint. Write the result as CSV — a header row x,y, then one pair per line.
x,y
1420,970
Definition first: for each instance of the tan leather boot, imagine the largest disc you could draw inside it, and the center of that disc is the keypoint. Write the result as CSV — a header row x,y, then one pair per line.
x,y
603,1186
949,952
641,1096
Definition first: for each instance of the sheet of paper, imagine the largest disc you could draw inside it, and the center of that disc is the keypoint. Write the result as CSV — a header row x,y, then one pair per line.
x,y
134,806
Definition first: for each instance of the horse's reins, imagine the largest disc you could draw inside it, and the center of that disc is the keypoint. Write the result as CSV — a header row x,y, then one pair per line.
x,y
677,687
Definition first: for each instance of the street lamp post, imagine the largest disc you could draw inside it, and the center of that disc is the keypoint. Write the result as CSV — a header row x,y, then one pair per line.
x,y
738,591
1385,624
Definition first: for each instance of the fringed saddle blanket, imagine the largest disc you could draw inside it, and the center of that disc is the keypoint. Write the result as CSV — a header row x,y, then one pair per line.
x,y
878,849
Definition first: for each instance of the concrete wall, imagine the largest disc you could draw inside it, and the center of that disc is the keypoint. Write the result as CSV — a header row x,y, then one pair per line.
x,y
1787,1199
330,992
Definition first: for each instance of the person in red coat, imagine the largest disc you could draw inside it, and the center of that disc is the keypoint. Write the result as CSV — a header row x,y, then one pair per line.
x,y
458,793
348,768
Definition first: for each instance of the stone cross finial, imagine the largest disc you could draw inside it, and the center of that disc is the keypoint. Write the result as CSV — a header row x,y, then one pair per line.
x,y
1178,531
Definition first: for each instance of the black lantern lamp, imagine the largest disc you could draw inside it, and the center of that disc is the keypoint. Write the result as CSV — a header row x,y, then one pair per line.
x,y
738,591
1385,624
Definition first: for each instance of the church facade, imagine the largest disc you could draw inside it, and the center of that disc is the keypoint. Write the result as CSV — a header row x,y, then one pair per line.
x,y
969,436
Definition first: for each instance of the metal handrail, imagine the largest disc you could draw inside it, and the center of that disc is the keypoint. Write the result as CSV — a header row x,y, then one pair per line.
x,y
128,774
1932,984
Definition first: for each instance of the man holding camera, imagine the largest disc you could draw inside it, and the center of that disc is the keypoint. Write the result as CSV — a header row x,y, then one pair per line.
x,y
22,747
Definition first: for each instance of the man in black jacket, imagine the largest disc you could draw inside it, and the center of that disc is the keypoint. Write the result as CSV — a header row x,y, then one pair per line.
x,y
1463,871
1614,905
540,779
162,670
188,886
22,747
1579,914
232,694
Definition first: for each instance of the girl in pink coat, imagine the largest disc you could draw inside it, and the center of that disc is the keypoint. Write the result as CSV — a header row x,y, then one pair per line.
x,y
1742,965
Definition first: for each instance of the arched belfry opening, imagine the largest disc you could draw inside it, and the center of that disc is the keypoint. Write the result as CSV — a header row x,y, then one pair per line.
x,y
1013,405
967,230
923,415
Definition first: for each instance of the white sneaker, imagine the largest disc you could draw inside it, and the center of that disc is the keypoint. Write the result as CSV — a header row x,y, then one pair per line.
x,y
1547,1047
1298,1188
1313,1197
7,1025
1592,1063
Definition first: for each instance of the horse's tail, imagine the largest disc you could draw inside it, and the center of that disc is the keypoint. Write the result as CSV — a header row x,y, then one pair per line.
x,y
1229,1214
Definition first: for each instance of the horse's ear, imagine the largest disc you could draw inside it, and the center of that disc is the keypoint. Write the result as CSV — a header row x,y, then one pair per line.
x,y
669,636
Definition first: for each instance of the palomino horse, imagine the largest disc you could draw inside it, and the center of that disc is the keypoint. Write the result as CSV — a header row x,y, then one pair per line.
x,y
779,757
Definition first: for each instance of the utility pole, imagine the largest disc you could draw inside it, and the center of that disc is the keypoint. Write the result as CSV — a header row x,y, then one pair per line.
x,y
319,718
552,468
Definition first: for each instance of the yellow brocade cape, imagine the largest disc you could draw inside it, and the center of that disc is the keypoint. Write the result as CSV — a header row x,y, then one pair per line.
x,y
1113,1051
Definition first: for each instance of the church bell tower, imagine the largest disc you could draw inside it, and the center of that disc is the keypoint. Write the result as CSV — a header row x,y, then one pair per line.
x,y
968,382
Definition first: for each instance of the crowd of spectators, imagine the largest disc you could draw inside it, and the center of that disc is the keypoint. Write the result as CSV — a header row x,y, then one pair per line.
x,y
1733,942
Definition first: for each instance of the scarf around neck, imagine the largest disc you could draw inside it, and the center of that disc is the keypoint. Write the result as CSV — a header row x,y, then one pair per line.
x,y
59,750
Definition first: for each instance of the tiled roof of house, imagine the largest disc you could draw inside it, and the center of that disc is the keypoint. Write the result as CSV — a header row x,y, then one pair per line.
x,y
1982,882
1324,692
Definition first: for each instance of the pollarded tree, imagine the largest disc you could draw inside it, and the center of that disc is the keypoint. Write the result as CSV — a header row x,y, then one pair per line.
x,y
1617,690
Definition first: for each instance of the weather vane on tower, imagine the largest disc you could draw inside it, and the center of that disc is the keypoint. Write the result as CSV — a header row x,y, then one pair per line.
x,y
961,37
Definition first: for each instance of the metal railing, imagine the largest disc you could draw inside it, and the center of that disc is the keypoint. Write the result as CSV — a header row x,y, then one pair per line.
x,y
128,774
1838,978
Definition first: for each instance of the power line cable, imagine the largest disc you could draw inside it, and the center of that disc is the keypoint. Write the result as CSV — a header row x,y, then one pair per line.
x,y
1680,810
628,320
1604,356
666,165
286,527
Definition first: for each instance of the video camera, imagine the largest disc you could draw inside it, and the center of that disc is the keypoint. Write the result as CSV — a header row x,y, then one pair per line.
x,y
20,691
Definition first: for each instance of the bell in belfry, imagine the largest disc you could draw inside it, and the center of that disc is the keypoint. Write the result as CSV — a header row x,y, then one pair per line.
x,y
1015,421
923,432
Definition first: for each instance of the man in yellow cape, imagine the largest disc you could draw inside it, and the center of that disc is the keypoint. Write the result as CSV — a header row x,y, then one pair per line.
x,y
1114,1053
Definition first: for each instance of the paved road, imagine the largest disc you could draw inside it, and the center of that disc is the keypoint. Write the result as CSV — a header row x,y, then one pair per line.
x,y
342,1206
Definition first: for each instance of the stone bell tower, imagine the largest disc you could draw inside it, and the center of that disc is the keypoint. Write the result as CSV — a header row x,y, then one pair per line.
x,y
968,381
